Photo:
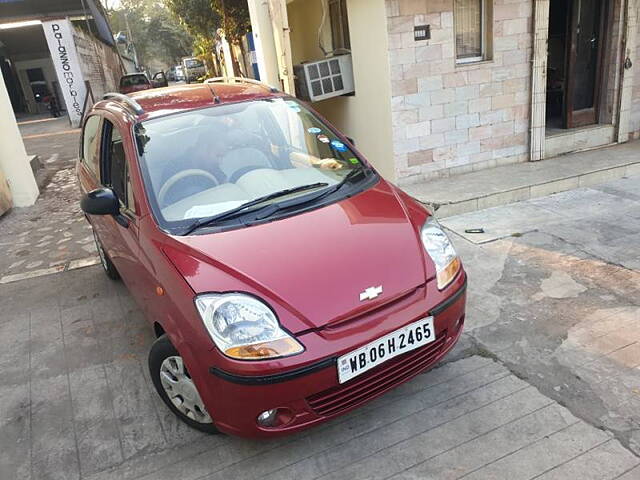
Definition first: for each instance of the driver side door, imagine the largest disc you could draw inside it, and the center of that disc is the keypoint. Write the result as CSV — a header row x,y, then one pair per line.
x,y
119,238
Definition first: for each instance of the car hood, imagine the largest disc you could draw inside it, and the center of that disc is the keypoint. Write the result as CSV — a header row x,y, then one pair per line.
x,y
311,268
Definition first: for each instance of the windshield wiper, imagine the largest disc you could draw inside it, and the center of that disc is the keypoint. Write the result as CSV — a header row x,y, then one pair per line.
x,y
234,212
269,210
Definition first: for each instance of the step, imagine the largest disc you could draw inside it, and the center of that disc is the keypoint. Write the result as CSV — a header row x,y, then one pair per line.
x,y
513,183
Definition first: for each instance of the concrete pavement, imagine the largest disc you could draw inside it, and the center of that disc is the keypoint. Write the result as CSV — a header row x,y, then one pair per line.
x,y
544,384
481,189
558,300
51,235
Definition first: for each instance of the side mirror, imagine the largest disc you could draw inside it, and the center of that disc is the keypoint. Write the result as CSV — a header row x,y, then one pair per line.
x,y
102,201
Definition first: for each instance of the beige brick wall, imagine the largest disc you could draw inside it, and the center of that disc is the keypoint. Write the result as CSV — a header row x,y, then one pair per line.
x,y
450,118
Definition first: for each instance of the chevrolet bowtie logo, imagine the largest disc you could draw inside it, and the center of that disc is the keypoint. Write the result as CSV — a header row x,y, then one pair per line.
x,y
370,293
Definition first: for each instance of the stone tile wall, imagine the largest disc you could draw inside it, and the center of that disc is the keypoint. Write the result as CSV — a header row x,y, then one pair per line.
x,y
450,118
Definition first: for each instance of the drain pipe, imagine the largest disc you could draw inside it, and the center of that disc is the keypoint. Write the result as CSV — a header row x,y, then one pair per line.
x,y
625,64
539,79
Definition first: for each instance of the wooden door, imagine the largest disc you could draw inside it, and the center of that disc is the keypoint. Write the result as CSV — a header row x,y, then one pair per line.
x,y
585,47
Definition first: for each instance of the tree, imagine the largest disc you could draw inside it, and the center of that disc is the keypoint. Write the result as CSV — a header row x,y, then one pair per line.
x,y
235,18
158,37
202,18
197,16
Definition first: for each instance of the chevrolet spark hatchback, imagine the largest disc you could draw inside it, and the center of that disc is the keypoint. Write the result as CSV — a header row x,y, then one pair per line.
x,y
286,281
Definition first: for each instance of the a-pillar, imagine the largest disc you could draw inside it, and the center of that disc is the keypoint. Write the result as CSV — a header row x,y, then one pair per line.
x,y
14,162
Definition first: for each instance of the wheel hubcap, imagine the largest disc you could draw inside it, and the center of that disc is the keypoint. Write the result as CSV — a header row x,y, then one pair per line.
x,y
181,390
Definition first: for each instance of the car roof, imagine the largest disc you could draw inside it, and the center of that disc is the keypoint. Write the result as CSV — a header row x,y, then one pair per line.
x,y
157,102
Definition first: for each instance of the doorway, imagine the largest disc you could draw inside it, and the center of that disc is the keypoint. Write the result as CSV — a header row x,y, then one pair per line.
x,y
575,66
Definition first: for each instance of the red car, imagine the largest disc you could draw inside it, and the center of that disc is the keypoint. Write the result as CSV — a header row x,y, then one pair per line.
x,y
286,281
134,82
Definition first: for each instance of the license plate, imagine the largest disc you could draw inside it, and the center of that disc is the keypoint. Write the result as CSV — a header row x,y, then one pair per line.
x,y
396,343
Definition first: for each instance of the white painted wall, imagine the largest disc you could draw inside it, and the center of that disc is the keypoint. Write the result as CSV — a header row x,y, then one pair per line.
x,y
14,162
262,32
366,116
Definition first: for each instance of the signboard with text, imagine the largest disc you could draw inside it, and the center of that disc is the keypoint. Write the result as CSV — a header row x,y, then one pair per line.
x,y
59,35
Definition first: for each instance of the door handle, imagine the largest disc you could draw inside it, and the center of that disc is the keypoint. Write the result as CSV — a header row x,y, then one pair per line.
x,y
628,63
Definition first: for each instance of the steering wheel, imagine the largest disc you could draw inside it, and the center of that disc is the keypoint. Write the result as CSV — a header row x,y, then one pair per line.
x,y
192,172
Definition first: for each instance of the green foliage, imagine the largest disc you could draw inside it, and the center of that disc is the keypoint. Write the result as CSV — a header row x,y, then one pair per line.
x,y
203,17
156,33
197,16
235,13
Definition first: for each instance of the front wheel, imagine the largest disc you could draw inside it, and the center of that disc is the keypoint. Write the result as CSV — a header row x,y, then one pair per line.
x,y
107,265
175,386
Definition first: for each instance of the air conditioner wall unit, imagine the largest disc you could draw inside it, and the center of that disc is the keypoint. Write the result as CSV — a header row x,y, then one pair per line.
x,y
322,79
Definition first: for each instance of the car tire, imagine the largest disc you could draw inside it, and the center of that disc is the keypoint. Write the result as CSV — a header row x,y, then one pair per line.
x,y
174,385
107,265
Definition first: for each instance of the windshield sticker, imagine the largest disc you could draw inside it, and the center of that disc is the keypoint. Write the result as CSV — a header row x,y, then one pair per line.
x,y
354,160
293,105
314,130
339,146
323,138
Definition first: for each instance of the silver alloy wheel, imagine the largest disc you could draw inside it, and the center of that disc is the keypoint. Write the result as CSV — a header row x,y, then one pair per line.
x,y
181,390
103,257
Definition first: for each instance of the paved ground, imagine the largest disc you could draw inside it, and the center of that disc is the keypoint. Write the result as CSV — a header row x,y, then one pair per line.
x,y
544,384
52,235
558,303
481,189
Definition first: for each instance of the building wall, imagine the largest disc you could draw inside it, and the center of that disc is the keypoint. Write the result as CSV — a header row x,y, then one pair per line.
x,y
365,116
306,16
50,76
450,118
100,63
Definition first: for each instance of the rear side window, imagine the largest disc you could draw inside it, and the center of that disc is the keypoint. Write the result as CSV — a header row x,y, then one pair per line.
x,y
133,80
90,141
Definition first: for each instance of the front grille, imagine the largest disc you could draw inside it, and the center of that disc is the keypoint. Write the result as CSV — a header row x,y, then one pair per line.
x,y
371,384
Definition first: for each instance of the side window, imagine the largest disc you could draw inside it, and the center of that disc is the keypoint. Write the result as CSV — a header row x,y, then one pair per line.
x,y
90,141
473,20
115,166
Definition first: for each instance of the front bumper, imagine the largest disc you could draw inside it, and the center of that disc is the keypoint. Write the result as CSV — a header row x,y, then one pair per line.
x,y
311,394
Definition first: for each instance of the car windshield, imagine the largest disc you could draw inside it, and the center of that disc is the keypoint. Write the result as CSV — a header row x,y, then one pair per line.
x,y
206,162
193,63
133,80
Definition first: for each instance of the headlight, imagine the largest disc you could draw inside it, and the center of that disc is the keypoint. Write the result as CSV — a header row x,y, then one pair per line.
x,y
441,251
244,328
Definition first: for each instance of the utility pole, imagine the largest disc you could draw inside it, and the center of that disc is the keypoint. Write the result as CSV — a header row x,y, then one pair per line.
x,y
130,38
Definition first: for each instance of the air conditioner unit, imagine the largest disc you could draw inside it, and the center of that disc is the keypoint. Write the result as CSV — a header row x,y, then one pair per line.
x,y
323,79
